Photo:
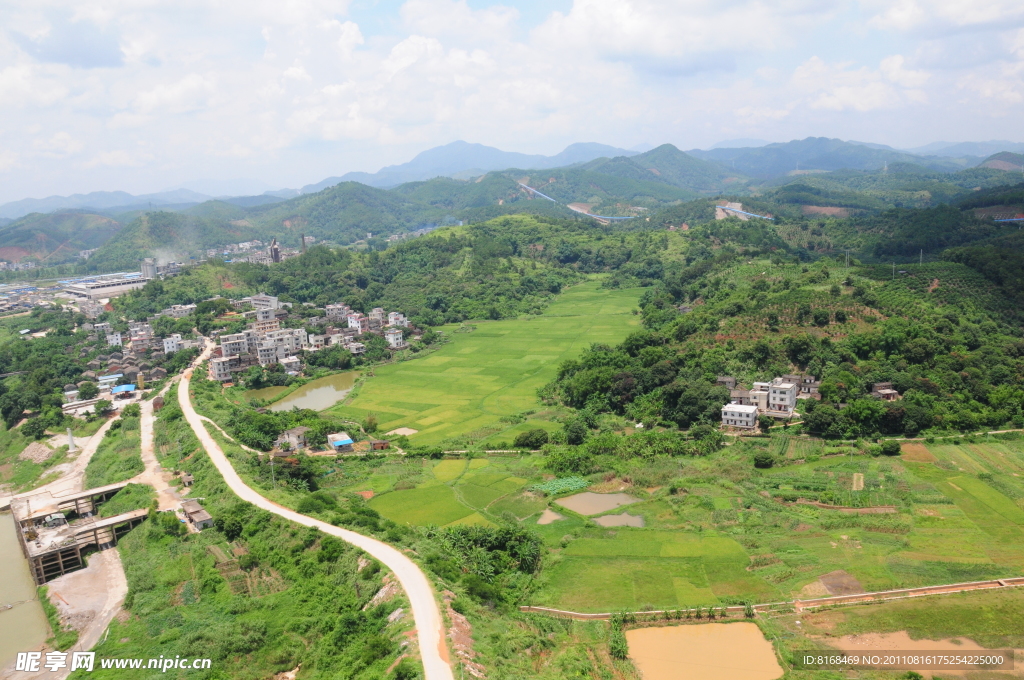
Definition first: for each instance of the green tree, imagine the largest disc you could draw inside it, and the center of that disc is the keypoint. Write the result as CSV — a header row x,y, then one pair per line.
x,y
88,390
531,439
890,447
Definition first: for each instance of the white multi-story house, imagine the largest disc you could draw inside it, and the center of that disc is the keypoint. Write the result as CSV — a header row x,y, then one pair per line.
x,y
114,339
234,345
339,311
263,301
220,368
359,323
172,344
740,415
394,338
782,396
398,319
178,311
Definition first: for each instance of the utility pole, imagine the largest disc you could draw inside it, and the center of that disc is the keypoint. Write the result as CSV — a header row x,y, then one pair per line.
x,y
922,256
893,271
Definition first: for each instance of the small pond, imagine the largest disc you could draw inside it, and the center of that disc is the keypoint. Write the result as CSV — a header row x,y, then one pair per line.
x,y
623,520
318,395
589,503
710,651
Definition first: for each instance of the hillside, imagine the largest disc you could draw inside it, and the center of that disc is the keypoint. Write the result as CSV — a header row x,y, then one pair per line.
x,y
168,236
669,165
56,237
815,153
1005,160
464,160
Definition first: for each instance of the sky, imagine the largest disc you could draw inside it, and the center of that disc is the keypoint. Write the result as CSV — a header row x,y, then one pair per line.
x,y
146,95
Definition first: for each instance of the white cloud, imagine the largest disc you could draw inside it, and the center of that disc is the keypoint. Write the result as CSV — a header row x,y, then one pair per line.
x,y
303,89
841,87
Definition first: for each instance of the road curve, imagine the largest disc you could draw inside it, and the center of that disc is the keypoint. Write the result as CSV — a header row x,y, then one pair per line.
x,y
427,615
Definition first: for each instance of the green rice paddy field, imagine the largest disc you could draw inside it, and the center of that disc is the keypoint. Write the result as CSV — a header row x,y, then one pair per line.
x,y
732,534
493,371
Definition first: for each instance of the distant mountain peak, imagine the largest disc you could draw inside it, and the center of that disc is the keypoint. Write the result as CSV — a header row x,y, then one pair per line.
x,y
461,159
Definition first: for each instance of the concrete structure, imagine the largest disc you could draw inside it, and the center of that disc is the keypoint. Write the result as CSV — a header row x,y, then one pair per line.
x,y
178,311
884,391
148,267
782,396
54,546
220,369
339,311
359,323
291,364
113,285
726,381
739,415
172,344
295,437
264,301
114,339
196,515
233,345
340,442
394,338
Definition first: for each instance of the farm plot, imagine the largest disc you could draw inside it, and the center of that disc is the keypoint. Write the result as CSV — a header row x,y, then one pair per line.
x,y
467,385
631,569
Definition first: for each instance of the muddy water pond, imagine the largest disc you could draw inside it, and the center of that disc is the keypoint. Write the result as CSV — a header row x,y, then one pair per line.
x,y
622,520
23,627
318,395
589,503
710,651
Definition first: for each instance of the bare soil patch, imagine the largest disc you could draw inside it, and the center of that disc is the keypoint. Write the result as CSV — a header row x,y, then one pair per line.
x,y
549,516
37,452
407,431
825,210
917,453
841,583
858,481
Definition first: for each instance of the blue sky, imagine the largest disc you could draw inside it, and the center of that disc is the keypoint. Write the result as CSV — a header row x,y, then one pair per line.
x,y
142,96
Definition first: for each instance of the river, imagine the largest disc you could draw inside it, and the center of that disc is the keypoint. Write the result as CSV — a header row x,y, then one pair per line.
x,y
318,395
22,628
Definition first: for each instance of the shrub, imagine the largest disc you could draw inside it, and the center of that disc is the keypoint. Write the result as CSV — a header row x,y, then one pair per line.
x,y
531,439
763,460
890,447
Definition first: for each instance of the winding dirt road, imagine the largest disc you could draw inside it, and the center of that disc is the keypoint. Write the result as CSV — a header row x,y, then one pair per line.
x,y
427,615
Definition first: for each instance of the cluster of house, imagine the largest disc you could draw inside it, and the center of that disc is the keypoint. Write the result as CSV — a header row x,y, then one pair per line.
x,y
776,398
6,266
264,342
22,297
140,335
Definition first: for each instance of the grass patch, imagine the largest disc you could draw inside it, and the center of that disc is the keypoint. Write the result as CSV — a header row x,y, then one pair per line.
x,y
472,381
429,505
131,497
449,470
629,569
119,456
63,638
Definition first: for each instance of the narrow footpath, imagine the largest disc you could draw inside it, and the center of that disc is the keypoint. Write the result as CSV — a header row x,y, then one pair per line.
x,y
426,613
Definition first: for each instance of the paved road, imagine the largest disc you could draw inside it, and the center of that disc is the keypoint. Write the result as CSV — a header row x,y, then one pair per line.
x,y
429,624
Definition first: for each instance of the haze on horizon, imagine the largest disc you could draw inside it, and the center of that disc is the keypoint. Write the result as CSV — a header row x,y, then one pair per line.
x,y
141,98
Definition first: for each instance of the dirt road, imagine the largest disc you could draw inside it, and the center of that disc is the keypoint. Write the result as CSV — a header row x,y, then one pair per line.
x,y
427,614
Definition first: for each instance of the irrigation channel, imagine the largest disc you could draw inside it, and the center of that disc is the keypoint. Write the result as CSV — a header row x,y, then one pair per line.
x,y
427,615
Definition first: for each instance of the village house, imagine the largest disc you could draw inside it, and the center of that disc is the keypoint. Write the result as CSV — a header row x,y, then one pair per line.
x,y
295,438
884,391
739,415
340,442
196,515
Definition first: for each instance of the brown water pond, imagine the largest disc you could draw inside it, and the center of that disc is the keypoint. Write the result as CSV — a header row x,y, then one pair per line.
x,y
622,520
23,627
318,394
710,651
589,503
549,516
